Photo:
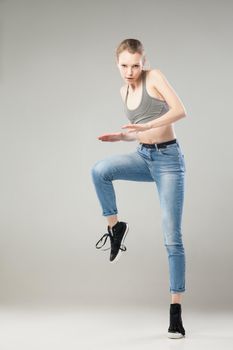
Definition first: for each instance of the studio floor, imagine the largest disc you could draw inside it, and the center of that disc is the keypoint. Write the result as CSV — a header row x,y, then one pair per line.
x,y
69,328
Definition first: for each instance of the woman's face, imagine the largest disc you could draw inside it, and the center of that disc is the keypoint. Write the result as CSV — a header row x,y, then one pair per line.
x,y
130,66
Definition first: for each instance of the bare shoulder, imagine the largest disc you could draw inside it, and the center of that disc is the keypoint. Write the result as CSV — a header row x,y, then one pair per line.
x,y
160,83
156,74
158,80
123,91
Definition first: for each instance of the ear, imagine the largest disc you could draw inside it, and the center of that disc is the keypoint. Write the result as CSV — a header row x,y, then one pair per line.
x,y
147,64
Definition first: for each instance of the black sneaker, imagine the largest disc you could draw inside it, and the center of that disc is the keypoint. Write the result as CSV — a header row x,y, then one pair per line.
x,y
119,232
176,329
117,236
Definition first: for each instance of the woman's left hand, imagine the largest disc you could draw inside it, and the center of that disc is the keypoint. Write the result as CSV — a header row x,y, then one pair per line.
x,y
137,127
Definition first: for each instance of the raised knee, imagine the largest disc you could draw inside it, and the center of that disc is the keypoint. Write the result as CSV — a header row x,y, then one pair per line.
x,y
96,169
100,169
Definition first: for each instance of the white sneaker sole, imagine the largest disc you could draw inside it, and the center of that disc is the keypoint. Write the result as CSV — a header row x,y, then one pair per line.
x,y
175,335
120,251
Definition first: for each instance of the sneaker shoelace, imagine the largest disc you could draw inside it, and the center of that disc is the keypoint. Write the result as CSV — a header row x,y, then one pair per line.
x,y
104,239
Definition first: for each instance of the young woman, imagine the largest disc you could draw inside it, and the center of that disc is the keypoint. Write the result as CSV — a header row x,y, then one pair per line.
x,y
152,107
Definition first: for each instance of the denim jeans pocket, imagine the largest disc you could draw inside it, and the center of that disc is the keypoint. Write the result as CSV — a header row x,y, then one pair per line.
x,y
170,150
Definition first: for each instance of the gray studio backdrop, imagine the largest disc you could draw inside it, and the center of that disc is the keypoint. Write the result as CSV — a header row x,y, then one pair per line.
x,y
59,91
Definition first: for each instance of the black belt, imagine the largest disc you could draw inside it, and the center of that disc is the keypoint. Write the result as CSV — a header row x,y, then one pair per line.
x,y
159,145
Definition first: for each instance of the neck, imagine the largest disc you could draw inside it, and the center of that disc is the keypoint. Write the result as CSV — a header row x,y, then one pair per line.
x,y
133,86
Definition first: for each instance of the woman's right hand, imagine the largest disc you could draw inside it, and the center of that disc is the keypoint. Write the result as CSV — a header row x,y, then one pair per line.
x,y
116,136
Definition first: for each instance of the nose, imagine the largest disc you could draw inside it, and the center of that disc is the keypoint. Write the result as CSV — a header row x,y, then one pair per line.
x,y
129,72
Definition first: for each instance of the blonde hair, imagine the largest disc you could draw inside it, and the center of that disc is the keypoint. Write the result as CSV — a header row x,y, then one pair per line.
x,y
131,45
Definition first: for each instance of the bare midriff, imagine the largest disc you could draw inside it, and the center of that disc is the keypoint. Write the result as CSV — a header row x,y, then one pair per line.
x,y
157,135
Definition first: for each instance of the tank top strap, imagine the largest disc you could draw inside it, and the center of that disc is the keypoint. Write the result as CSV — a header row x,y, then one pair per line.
x,y
143,82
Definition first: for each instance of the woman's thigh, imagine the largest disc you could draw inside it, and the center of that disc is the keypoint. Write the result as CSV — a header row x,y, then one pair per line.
x,y
129,166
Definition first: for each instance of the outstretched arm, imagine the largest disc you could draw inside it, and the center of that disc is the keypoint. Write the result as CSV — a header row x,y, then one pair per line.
x,y
119,136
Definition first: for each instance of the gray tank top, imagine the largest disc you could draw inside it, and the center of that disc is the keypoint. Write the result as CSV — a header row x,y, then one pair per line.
x,y
149,108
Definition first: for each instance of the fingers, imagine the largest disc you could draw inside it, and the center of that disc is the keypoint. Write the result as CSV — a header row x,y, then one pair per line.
x,y
103,138
110,134
132,127
108,137
127,126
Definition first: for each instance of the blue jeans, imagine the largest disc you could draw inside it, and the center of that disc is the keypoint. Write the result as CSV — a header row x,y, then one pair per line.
x,y
165,167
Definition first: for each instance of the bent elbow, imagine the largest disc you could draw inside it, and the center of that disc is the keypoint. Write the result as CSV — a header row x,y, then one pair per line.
x,y
182,113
